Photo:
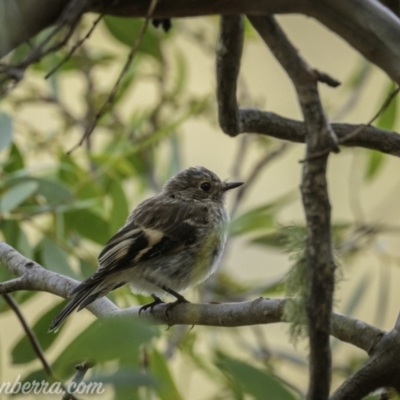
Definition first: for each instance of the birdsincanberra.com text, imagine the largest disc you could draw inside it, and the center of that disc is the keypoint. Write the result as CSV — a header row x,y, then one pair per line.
x,y
44,387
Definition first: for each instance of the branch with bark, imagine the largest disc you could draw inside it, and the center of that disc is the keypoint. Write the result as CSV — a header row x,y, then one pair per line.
x,y
32,276
319,255
371,29
368,26
320,138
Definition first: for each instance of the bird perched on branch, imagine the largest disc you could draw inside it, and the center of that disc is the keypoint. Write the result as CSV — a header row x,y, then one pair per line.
x,y
169,243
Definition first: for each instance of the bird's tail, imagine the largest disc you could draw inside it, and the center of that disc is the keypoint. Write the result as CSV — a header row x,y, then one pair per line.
x,y
83,295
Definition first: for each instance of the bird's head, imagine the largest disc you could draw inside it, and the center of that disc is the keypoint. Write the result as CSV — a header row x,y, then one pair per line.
x,y
198,183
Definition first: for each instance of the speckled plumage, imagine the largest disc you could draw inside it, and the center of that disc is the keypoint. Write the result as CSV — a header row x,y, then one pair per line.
x,y
173,241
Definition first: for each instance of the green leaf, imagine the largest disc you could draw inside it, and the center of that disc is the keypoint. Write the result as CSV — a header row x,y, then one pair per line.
x,y
6,129
89,225
119,208
387,119
166,389
129,378
55,259
126,30
115,338
22,352
273,239
249,31
126,383
68,171
259,218
11,231
258,383
374,164
180,77
16,195
15,160
256,219
54,192
38,375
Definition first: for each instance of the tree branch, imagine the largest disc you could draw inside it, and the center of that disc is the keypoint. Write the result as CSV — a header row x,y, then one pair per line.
x,y
320,264
381,370
270,124
21,20
368,26
259,311
229,53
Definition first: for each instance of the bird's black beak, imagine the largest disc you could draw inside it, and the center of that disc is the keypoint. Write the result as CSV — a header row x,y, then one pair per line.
x,y
231,185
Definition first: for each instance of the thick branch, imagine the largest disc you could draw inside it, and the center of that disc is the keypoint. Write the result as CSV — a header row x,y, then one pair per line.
x,y
20,20
270,124
381,370
316,203
368,26
229,53
259,311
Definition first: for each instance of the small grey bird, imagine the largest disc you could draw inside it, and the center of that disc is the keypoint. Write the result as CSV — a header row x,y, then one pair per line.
x,y
169,243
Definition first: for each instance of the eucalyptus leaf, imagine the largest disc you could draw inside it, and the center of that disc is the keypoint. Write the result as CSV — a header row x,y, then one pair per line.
x,y
55,259
258,383
6,130
126,31
259,218
89,225
117,338
387,119
119,208
15,160
374,164
166,389
16,195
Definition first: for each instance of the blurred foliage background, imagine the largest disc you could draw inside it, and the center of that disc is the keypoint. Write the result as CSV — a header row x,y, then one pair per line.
x,y
59,209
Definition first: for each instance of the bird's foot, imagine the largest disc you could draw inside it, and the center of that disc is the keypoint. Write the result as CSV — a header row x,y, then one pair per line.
x,y
170,306
151,305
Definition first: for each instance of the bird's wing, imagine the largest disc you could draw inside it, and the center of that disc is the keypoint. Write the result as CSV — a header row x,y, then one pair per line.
x,y
156,228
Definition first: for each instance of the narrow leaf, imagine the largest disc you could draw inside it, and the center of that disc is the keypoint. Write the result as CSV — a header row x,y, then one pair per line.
x,y
16,195
166,389
256,382
6,129
55,259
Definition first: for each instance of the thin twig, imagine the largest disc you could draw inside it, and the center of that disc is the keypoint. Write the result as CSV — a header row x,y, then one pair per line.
x,y
75,47
37,348
358,130
125,68
78,378
69,17
30,335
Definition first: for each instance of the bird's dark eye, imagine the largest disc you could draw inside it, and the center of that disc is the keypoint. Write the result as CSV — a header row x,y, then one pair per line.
x,y
205,187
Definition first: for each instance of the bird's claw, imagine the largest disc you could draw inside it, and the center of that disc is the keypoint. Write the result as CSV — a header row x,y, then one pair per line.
x,y
170,306
150,305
